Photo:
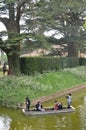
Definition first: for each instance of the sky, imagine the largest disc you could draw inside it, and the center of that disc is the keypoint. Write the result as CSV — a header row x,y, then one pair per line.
x,y
49,33
2,27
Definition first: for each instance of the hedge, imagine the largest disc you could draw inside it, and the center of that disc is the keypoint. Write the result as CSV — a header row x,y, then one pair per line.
x,y
82,61
32,65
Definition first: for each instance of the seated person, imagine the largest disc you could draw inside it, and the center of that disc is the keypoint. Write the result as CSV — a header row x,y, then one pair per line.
x,y
56,105
59,105
39,107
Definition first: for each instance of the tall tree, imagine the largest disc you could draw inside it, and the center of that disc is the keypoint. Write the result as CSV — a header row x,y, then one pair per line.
x,y
37,16
67,18
17,16
11,12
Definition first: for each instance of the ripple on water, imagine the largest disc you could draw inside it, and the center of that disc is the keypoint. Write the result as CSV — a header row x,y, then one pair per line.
x,y
83,115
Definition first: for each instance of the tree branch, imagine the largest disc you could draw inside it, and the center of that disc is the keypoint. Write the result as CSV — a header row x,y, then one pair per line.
x,y
21,3
5,21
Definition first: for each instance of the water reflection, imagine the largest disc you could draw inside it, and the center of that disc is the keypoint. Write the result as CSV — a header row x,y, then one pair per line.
x,y
50,122
27,128
83,115
5,123
68,121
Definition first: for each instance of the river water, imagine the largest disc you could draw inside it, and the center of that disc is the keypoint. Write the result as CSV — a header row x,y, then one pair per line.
x,y
11,119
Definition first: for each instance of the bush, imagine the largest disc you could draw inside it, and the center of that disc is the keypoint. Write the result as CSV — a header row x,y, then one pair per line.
x,y
82,61
32,65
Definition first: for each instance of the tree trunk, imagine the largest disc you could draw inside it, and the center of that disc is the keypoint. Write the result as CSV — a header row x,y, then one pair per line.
x,y
73,50
13,53
14,64
12,24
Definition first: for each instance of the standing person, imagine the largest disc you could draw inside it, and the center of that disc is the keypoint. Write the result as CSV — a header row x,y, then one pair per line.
x,y
27,103
69,100
4,69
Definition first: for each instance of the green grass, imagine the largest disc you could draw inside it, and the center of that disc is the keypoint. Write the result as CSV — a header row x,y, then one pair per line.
x,y
15,89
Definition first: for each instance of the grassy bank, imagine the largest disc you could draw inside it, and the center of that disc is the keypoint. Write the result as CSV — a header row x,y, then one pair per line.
x,y
14,89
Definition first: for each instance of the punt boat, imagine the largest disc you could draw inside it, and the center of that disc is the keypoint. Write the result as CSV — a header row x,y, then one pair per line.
x,y
48,111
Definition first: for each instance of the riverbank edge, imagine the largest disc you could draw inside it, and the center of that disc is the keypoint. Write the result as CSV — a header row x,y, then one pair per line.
x,y
48,97
58,94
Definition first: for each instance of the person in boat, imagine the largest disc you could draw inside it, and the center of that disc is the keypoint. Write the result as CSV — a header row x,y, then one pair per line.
x,y
27,103
69,100
39,106
58,105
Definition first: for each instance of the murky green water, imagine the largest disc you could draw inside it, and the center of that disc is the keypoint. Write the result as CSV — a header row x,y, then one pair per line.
x,y
11,119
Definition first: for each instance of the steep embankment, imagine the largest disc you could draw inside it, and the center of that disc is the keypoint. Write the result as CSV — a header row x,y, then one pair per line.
x,y
58,94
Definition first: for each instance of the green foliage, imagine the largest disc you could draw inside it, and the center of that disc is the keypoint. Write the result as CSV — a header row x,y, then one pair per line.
x,y
67,20
31,65
82,61
14,89
41,16
84,25
78,71
68,62
9,1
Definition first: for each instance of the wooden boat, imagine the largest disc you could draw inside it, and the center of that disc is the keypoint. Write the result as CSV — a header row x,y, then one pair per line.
x,y
48,111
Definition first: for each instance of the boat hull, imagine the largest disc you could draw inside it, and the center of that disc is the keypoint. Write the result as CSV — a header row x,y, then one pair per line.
x,y
48,111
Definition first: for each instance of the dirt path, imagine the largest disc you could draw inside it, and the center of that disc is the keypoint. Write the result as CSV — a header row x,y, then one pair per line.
x,y
58,94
